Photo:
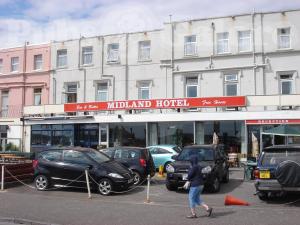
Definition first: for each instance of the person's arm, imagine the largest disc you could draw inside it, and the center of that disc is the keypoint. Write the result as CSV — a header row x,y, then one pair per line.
x,y
191,173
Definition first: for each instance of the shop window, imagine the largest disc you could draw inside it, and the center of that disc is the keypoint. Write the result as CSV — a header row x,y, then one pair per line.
x,y
284,41
191,87
231,84
71,93
113,52
38,62
87,55
144,50
37,95
223,43
190,45
286,84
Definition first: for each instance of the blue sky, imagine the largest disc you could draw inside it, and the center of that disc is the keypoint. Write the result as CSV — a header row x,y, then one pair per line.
x,y
39,21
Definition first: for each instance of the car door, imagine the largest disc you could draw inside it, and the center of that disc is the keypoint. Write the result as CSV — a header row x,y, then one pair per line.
x,y
128,157
75,163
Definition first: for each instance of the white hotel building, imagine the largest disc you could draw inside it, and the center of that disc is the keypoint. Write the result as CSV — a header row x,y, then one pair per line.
x,y
253,58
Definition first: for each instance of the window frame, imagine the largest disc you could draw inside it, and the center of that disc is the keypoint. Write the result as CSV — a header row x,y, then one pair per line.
x,y
230,82
117,52
143,48
279,35
192,43
290,80
240,38
66,87
219,40
107,91
1,65
59,57
36,94
191,85
85,54
143,86
39,61
12,64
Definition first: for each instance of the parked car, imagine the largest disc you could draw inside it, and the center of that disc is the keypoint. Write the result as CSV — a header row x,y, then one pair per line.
x,y
214,163
278,171
65,167
138,160
162,154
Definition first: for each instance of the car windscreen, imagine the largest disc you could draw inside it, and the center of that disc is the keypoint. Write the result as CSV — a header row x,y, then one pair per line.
x,y
273,158
98,156
177,149
204,154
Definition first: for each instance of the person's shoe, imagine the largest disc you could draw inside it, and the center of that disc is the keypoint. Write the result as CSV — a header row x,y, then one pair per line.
x,y
192,216
209,211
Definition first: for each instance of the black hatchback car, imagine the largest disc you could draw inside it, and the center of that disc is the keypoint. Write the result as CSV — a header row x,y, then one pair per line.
x,y
65,167
278,171
214,163
138,160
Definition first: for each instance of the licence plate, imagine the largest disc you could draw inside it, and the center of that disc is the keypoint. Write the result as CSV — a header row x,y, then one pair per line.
x,y
264,174
184,176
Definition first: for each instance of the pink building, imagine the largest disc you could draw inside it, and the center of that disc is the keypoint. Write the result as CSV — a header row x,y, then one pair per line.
x,y
24,80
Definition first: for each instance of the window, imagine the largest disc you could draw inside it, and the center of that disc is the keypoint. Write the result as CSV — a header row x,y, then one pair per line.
x,y
38,62
52,156
126,154
284,40
244,41
62,59
87,55
191,87
190,45
71,93
144,50
113,52
75,157
37,92
108,152
231,84
4,103
144,90
159,151
1,65
223,43
14,64
286,84
102,92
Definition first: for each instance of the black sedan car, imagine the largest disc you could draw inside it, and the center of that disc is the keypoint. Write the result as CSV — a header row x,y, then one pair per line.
x,y
138,160
65,167
214,163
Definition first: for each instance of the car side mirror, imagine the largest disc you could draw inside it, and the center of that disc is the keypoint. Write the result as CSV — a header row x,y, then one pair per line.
x,y
174,157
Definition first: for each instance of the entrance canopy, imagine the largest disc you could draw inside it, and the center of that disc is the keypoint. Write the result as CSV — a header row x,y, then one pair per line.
x,y
282,130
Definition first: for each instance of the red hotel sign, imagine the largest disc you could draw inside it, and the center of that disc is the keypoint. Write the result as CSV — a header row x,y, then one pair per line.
x,y
157,104
274,121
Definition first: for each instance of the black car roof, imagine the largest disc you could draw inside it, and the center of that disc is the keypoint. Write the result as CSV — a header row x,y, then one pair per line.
x,y
70,148
201,146
282,147
126,147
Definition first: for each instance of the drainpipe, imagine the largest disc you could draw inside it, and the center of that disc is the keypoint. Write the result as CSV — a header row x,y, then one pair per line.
x,y
102,56
23,97
172,57
213,38
126,69
253,52
263,52
54,88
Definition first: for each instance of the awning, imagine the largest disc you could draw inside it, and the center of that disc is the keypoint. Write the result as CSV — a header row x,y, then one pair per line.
x,y
283,130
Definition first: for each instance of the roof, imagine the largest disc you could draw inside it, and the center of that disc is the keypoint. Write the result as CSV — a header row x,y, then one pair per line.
x,y
68,148
127,147
201,146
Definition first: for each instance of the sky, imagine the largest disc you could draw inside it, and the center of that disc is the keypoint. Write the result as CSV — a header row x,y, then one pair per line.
x,y
42,21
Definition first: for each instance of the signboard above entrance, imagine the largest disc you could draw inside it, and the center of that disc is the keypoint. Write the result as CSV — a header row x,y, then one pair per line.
x,y
273,121
232,101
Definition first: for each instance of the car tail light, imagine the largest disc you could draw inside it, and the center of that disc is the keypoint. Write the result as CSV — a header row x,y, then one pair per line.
x,y
256,174
34,163
143,162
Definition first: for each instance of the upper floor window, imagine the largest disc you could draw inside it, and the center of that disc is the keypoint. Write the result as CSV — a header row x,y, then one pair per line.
x,y
286,84
244,41
231,84
144,50
62,59
284,40
71,93
190,45
223,43
102,92
38,62
1,65
191,87
37,92
14,64
87,55
4,104
144,90
113,52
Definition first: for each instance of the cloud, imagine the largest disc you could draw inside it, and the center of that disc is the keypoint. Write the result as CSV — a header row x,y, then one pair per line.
x,y
42,21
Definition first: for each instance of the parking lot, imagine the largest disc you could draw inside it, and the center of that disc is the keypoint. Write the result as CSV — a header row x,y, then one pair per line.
x,y
73,206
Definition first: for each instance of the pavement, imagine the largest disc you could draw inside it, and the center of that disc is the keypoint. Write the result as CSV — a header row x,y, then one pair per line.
x,y
73,207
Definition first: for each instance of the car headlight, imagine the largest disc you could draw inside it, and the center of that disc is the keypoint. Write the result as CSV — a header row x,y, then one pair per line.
x,y
115,175
206,169
170,169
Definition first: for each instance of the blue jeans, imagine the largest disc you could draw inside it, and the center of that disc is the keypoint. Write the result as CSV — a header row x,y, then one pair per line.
x,y
194,196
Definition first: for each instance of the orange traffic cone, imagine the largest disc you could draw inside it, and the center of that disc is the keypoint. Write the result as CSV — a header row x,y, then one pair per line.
x,y
229,200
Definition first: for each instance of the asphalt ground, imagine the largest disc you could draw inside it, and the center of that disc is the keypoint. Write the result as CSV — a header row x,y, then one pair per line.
x,y
71,206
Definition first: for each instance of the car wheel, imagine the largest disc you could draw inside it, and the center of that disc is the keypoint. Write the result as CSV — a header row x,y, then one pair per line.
x,y
215,186
171,187
263,195
105,187
167,164
226,177
136,177
41,182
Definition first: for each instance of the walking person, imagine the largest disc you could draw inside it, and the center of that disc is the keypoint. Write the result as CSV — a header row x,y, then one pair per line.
x,y
195,183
